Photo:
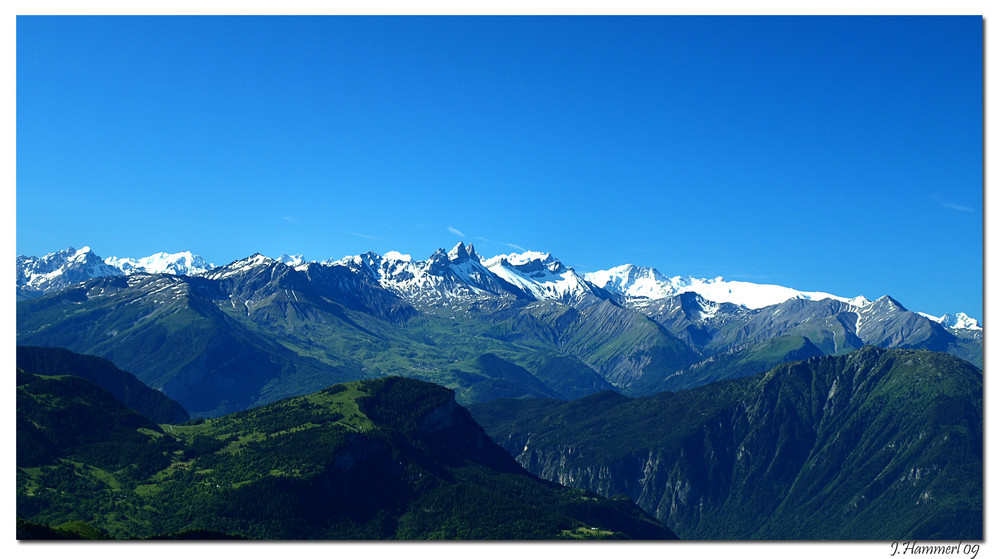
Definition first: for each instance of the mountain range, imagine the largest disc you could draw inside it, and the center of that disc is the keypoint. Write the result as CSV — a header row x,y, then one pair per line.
x,y
225,338
726,410
529,274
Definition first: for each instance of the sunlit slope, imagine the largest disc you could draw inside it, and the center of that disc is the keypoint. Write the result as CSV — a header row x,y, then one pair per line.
x,y
389,458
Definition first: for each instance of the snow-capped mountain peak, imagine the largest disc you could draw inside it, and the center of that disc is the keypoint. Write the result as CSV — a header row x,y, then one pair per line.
x,y
633,281
460,252
859,301
60,269
957,321
541,275
257,260
71,254
81,255
462,275
444,279
393,255
292,260
180,263
528,261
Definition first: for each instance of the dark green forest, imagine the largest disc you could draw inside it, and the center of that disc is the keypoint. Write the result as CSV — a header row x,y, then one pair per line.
x,y
382,459
874,445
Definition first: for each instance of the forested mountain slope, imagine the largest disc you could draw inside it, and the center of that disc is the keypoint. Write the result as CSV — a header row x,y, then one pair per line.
x,y
389,458
877,444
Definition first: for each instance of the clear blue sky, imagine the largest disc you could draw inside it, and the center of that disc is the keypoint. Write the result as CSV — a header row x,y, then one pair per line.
x,y
830,153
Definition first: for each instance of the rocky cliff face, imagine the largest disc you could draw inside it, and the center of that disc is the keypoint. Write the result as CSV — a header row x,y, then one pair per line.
x,y
675,487
817,449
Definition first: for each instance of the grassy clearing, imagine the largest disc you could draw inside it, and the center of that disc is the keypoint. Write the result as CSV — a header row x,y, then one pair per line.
x,y
585,533
344,402
148,490
106,477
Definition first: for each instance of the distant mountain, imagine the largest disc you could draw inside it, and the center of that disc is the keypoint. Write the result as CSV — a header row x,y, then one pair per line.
x,y
739,361
385,459
876,444
260,329
207,343
180,263
545,278
36,276
636,282
833,325
957,321
627,348
453,279
461,274
293,260
124,386
640,287
59,270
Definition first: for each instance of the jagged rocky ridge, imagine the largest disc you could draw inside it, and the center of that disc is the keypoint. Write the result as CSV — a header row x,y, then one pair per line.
x,y
55,271
461,272
259,329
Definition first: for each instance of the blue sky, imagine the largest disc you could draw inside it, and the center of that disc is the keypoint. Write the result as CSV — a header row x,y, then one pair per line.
x,y
832,154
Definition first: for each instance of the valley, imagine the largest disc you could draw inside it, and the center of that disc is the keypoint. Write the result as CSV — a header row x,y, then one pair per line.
x,y
650,408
